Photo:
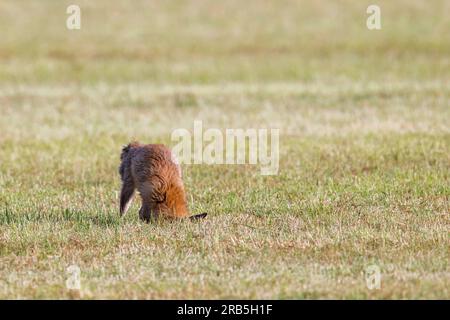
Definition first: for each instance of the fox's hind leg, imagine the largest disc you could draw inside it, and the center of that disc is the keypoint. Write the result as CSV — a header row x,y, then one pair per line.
x,y
145,212
148,208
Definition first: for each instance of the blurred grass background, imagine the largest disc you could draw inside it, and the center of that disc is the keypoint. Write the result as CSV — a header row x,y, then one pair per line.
x,y
209,41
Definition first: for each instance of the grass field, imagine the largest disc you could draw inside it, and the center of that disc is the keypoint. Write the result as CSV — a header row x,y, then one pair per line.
x,y
364,148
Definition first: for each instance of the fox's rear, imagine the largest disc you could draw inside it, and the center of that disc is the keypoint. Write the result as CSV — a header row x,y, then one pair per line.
x,y
154,172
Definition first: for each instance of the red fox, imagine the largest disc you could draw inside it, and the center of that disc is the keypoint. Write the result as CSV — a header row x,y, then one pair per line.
x,y
154,171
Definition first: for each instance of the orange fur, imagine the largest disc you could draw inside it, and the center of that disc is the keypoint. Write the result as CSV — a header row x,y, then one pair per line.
x,y
155,173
